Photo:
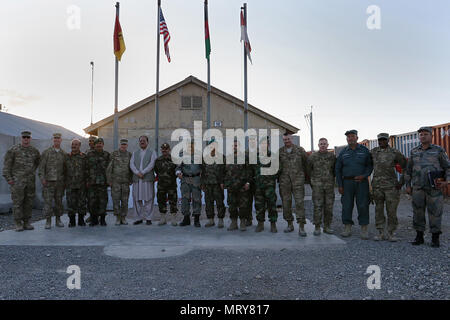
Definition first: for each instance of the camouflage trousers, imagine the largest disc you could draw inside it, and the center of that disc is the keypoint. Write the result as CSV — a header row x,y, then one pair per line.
x,y
98,199
433,201
190,191
390,197
237,201
22,196
164,194
323,201
296,188
76,201
213,192
266,199
120,192
53,194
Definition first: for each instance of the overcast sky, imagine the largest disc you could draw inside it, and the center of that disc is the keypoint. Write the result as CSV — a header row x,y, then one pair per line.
x,y
305,52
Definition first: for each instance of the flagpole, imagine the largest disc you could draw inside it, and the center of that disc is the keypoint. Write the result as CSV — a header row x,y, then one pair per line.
x,y
245,83
116,98
157,80
92,92
208,110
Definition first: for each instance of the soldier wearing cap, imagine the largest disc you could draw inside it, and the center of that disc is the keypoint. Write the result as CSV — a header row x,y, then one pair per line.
x,y
167,185
97,162
385,186
120,176
353,167
91,148
427,172
19,167
52,173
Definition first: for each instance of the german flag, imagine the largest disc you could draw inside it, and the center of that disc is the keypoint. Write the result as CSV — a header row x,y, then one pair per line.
x,y
119,43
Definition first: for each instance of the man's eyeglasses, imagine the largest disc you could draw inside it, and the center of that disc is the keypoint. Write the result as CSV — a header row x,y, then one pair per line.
x,y
26,137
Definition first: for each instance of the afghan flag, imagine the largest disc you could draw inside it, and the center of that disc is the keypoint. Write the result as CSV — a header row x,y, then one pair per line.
x,y
119,43
207,41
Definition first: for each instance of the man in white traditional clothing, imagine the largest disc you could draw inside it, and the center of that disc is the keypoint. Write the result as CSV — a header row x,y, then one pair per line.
x,y
142,163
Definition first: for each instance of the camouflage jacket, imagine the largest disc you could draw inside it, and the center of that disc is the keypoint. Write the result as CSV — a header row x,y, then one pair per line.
x,y
237,175
384,161
213,173
118,170
260,179
321,168
53,165
165,169
20,163
76,171
293,163
422,161
97,162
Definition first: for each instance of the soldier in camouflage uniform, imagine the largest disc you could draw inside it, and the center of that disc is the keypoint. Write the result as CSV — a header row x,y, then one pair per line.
x,y
213,186
320,169
385,186
189,174
19,170
76,184
292,182
97,162
91,148
265,196
52,173
237,180
427,171
120,176
167,185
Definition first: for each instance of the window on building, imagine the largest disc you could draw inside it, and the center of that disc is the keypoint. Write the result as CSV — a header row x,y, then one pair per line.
x,y
191,102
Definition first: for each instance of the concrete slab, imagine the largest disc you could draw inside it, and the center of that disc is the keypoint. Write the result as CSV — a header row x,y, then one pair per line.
x,y
147,242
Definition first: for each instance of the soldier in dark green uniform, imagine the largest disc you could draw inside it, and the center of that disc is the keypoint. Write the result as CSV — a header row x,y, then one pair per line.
x,y
265,196
97,162
167,185
212,184
353,167
91,148
120,176
427,173
76,184
238,178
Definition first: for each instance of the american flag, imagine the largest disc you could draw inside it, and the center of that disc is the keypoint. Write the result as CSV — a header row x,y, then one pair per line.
x,y
165,32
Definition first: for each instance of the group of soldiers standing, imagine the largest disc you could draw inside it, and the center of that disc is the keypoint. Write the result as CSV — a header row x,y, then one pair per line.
x,y
86,176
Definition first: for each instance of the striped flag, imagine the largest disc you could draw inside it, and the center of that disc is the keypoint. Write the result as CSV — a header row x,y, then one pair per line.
x,y
119,43
165,32
244,37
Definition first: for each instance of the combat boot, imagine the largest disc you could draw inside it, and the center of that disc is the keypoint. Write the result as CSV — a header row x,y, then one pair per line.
x,y
58,222
27,225
391,237
102,221
233,225
327,229
317,230
19,226
380,235
72,221
347,231
186,221
220,223
48,223
123,220
197,221
210,223
260,226
118,220
243,225
162,220
435,240
290,227
301,230
81,220
419,239
249,222
89,219
174,220
94,221
365,232
273,227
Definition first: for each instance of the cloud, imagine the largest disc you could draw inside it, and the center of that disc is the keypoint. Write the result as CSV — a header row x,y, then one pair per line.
x,y
16,99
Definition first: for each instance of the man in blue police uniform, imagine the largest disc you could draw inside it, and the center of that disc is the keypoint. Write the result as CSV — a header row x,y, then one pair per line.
x,y
353,167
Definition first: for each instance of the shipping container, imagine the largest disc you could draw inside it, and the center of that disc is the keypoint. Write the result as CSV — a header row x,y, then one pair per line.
x,y
405,142
441,136
373,144
365,143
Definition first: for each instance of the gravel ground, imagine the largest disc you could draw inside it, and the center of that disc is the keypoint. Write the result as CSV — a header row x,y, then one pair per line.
x,y
407,272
